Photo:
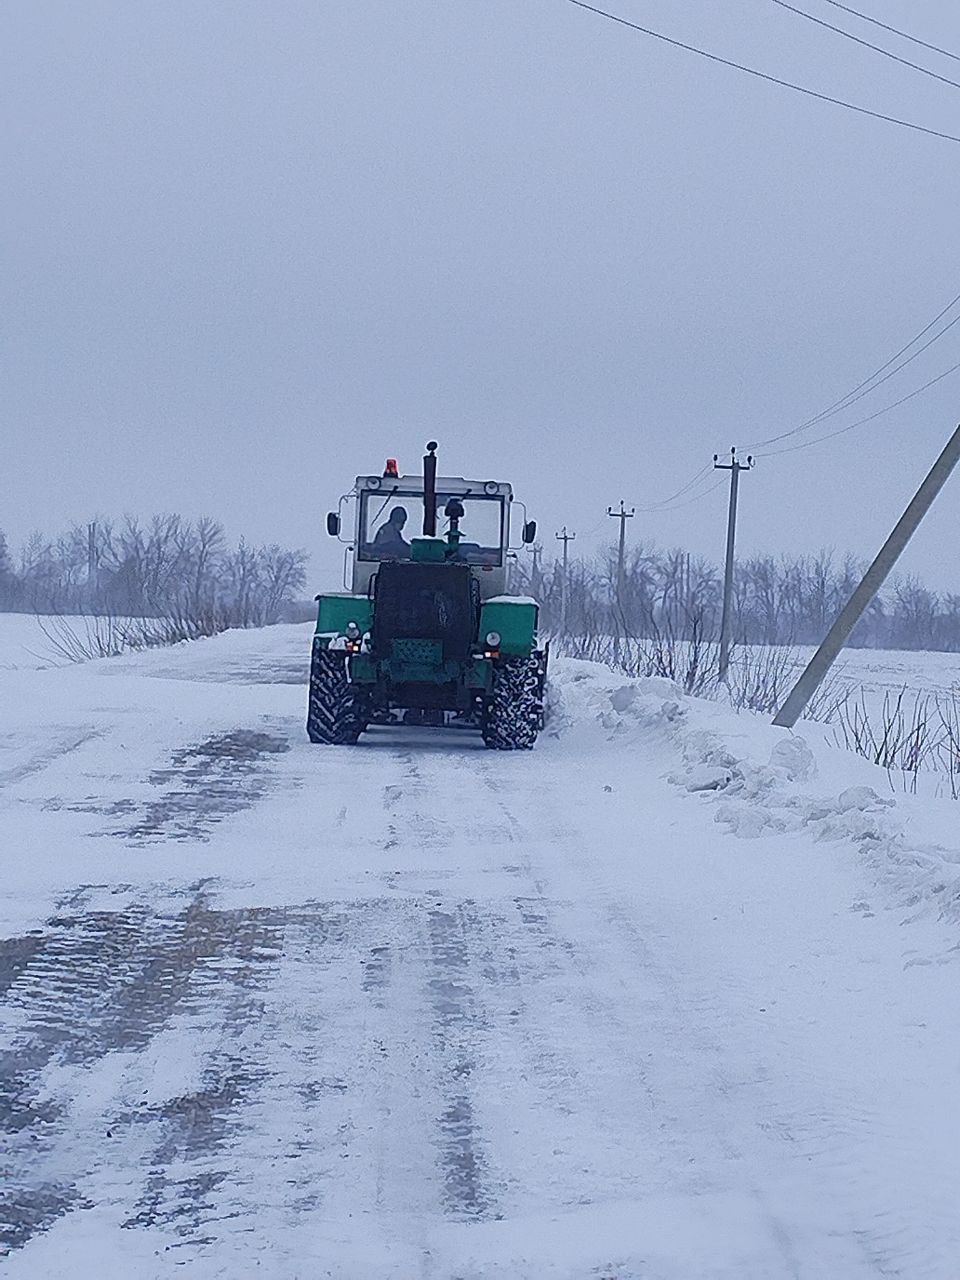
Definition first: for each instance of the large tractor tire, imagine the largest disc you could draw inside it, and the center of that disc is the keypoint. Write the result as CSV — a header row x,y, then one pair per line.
x,y
514,712
334,716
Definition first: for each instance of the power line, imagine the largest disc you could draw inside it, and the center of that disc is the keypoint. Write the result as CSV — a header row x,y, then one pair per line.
x,y
807,444
892,373
896,356
935,48
763,75
700,496
697,497
868,385
862,389
905,62
658,506
874,381
668,505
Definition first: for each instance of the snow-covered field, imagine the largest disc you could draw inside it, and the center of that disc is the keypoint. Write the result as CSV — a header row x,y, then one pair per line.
x,y
879,670
23,643
673,997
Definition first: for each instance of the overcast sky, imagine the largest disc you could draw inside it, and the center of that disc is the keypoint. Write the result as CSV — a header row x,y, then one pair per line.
x,y
250,249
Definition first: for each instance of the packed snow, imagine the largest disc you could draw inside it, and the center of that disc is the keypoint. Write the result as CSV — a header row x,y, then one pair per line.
x,y
672,997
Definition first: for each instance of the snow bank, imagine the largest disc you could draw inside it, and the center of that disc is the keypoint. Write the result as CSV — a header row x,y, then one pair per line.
x,y
762,780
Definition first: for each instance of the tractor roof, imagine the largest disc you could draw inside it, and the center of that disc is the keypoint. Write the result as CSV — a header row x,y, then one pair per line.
x,y
445,484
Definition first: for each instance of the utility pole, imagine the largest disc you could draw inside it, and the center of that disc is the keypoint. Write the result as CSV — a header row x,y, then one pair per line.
x,y
873,580
734,466
623,515
566,539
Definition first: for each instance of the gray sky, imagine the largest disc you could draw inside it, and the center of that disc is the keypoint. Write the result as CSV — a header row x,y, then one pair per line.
x,y
251,249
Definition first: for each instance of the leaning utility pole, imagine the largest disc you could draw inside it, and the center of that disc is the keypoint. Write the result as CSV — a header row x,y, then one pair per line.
x,y
734,466
873,580
566,539
623,515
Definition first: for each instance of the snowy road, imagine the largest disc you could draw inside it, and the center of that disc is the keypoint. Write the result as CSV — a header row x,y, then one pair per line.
x,y
414,1009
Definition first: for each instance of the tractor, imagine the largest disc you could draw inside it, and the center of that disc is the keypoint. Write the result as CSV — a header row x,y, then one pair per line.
x,y
427,633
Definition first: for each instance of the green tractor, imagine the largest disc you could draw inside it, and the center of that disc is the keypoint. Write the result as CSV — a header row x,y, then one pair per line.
x,y
428,632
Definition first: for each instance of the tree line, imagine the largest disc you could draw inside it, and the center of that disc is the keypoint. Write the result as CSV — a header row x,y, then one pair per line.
x,y
169,566
778,600
163,567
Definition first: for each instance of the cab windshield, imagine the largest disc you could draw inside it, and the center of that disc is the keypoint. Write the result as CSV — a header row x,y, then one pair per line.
x,y
389,521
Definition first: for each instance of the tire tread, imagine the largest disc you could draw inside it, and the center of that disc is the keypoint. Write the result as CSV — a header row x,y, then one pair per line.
x,y
333,717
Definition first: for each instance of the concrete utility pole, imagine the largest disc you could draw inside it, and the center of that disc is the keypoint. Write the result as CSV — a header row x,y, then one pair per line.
x,y
623,515
734,466
873,580
566,539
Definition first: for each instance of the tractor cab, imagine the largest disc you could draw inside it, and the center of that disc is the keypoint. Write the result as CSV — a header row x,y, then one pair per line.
x,y
430,519
428,626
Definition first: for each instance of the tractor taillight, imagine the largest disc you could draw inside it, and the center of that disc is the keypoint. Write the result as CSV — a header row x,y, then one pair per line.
x,y
390,469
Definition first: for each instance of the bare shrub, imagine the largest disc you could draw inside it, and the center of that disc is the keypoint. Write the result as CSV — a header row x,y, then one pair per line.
x,y
904,736
761,677
86,637
688,659
948,746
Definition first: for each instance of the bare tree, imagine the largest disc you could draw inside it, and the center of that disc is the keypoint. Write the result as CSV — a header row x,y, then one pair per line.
x,y
785,601
168,569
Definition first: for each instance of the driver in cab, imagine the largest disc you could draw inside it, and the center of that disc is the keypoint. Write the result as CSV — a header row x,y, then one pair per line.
x,y
389,540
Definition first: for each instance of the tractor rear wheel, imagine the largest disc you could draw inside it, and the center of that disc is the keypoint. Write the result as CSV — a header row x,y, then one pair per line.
x,y
513,714
334,716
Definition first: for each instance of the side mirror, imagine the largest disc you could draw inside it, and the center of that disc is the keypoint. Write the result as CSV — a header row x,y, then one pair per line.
x,y
333,524
530,532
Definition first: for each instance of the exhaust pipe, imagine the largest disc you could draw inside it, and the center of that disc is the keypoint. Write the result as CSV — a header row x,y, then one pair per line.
x,y
430,490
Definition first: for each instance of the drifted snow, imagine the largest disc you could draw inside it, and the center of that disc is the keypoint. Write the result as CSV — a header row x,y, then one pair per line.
x,y
674,996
